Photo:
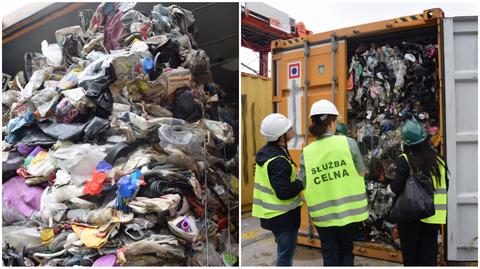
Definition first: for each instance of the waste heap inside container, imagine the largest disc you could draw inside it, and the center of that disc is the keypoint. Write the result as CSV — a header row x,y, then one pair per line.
x,y
391,78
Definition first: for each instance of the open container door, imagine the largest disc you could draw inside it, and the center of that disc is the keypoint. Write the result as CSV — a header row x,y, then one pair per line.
x,y
460,46
313,70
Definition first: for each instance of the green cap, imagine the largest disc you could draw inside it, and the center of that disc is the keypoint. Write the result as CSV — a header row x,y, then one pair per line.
x,y
342,129
413,133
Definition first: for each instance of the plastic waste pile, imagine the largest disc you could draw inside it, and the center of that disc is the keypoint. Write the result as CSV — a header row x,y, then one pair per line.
x,y
378,227
115,148
388,84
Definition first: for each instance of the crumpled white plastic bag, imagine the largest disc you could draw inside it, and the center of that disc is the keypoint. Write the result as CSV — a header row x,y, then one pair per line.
x,y
53,53
19,237
35,82
140,49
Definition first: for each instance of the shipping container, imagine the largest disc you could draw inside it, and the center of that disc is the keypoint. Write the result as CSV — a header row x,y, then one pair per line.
x,y
316,67
256,104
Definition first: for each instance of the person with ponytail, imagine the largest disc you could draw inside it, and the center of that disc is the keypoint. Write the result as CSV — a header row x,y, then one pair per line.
x,y
332,170
419,239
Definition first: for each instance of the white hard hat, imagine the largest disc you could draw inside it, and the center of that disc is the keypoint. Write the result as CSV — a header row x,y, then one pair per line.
x,y
275,125
323,107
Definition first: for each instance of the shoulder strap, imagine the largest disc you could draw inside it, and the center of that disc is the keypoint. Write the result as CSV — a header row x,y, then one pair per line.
x,y
440,160
408,163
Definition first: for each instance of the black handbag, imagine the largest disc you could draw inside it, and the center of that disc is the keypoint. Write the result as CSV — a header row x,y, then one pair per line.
x,y
416,200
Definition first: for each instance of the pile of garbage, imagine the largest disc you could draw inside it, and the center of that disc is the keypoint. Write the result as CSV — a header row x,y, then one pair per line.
x,y
378,227
115,148
387,85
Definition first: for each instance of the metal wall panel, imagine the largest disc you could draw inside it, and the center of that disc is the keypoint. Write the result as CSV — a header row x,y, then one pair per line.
x,y
461,87
256,105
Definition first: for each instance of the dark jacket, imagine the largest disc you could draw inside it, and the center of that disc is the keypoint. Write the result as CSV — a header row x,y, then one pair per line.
x,y
401,175
279,171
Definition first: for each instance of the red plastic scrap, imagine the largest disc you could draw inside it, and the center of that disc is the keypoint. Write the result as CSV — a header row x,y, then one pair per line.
x,y
197,206
350,83
53,177
145,30
222,224
94,186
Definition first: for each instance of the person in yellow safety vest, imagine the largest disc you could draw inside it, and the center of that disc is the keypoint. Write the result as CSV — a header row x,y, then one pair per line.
x,y
276,193
332,170
419,238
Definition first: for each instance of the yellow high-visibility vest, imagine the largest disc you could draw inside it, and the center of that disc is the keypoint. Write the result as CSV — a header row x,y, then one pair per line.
x,y
335,192
266,205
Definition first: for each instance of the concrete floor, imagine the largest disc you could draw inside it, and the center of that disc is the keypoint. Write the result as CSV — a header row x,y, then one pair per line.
x,y
259,249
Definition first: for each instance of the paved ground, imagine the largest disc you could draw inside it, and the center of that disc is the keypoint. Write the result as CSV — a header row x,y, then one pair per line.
x,y
258,249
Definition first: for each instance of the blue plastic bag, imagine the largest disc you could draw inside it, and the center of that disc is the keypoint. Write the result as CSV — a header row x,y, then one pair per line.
x,y
127,186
